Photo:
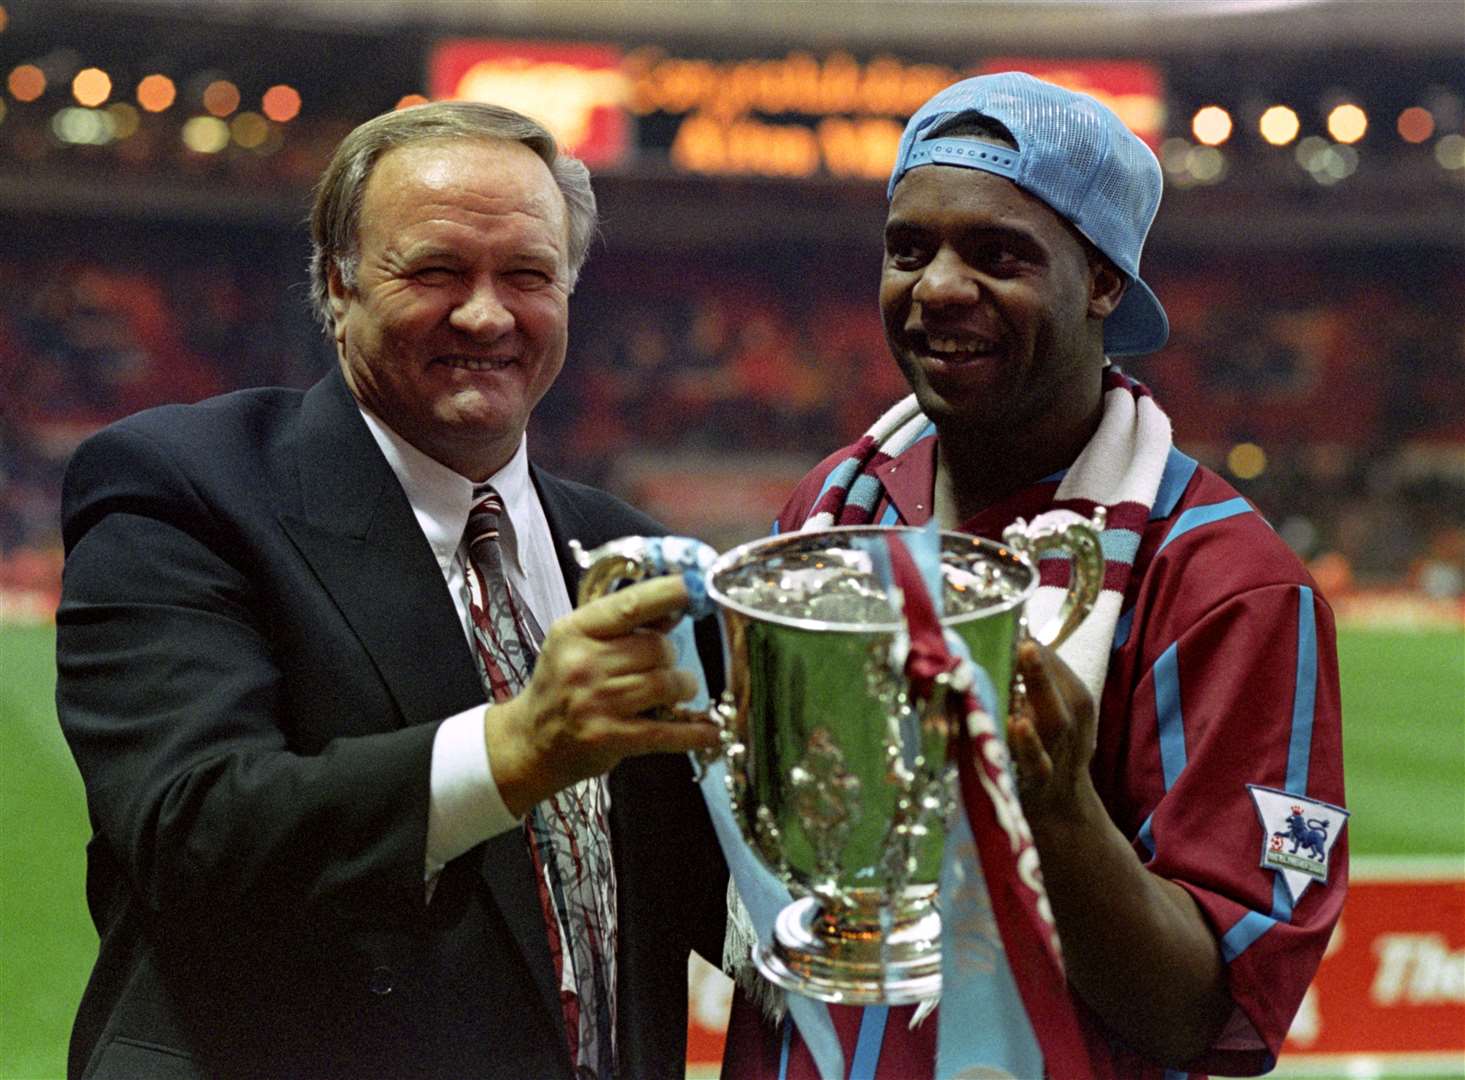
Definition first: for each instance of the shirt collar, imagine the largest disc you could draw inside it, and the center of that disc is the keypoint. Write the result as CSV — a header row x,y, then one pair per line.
x,y
441,497
909,480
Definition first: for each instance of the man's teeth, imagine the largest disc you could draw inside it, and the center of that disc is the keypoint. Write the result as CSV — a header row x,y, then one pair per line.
x,y
473,364
956,345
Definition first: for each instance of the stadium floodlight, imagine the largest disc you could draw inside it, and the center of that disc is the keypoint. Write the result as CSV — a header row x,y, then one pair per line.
x,y
1279,125
26,82
155,93
281,103
1211,125
221,98
1347,122
1415,124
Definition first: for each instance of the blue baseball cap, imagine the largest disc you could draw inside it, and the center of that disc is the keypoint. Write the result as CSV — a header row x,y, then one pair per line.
x,y
1075,155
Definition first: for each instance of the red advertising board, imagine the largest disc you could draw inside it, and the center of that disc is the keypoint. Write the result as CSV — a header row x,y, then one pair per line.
x,y
1392,984
792,116
578,91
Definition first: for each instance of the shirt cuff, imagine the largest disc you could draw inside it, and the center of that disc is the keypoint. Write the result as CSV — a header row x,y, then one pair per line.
x,y
465,806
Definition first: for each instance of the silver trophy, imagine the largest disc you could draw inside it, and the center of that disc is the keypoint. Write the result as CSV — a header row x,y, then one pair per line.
x,y
836,775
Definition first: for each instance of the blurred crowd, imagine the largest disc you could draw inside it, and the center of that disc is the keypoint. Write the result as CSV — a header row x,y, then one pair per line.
x,y
1329,391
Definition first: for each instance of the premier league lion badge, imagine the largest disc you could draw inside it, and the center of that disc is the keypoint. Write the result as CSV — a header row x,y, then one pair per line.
x,y
1297,835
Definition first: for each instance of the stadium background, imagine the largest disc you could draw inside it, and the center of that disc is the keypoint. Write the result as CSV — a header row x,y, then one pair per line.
x,y
724,334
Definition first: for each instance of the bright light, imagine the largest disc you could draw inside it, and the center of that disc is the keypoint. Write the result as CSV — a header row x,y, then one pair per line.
x,y
1246,461
1450,152
156,93
4,22
27,82
205,134
91,87
221,97
249,129
83,127
406,101
1212,125
1347,123
124,120
281,103
1415,124
1279,125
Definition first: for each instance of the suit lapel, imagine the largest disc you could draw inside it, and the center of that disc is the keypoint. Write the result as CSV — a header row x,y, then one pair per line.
x,y
567,521
357,530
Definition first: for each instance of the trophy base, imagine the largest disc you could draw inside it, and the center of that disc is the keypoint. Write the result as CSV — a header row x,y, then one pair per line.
x,y
814,954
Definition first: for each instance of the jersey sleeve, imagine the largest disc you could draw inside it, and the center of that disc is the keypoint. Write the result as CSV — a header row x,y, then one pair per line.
x,y
1237,713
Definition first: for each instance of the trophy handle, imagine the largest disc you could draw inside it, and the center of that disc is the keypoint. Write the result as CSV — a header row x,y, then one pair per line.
x,y
638,558
608,567
1080,539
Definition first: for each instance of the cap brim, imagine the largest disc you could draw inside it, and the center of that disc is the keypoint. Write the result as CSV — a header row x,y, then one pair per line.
x,y
1138,325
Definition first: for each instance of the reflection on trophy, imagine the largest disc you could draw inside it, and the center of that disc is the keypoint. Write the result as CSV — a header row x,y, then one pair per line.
x,y
837,774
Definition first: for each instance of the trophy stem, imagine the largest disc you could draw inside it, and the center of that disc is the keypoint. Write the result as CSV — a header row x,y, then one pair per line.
x,y
847,959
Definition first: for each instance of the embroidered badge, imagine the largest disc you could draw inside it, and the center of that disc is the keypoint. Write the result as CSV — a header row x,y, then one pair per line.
x,y
1297,835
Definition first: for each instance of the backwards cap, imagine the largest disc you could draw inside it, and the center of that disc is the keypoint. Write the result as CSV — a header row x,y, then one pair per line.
x,y
1075,155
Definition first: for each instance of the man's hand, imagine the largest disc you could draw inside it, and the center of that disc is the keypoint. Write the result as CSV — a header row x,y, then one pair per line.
x,y
1052,740
601,667
1135,945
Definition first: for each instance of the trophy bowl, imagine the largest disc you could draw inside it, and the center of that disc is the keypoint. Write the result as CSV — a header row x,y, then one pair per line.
x,y
837,776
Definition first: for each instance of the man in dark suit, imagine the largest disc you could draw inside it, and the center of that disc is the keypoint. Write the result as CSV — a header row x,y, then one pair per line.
x,y
309,853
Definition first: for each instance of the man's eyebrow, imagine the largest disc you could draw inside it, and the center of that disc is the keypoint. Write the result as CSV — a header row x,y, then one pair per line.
x,y
900,225
423,252
1002,232
540,251
985,231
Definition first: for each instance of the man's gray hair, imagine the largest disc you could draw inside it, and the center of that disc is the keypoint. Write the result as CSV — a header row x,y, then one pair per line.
x,y
335,221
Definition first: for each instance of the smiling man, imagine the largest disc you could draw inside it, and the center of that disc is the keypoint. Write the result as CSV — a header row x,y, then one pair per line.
x,y
1159,752
451,316
354,814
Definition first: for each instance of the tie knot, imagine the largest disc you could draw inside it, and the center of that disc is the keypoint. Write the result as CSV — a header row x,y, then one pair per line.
x,y
484,517
486,500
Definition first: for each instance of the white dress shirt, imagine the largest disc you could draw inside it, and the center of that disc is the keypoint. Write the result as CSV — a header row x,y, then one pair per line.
x,y
465,804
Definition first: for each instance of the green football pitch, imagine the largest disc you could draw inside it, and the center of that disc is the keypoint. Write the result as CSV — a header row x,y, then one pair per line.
x,y
1404,710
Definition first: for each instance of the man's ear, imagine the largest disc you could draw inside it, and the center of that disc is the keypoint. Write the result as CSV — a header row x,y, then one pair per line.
x,y
336,296
1106,287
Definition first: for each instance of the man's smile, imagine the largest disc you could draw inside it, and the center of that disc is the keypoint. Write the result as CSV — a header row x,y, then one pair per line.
x,y
477,363
952,347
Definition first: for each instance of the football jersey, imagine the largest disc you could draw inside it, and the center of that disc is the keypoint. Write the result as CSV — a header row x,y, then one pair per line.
x,y
1219,745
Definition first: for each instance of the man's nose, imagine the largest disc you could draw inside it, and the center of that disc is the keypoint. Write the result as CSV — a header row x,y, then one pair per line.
x,y
482,312
946,279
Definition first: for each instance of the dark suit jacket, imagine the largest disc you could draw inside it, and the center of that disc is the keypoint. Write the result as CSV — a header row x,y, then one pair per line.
x,y
254,646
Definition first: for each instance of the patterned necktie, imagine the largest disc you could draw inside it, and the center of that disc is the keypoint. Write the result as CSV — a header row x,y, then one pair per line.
x,y
568,834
